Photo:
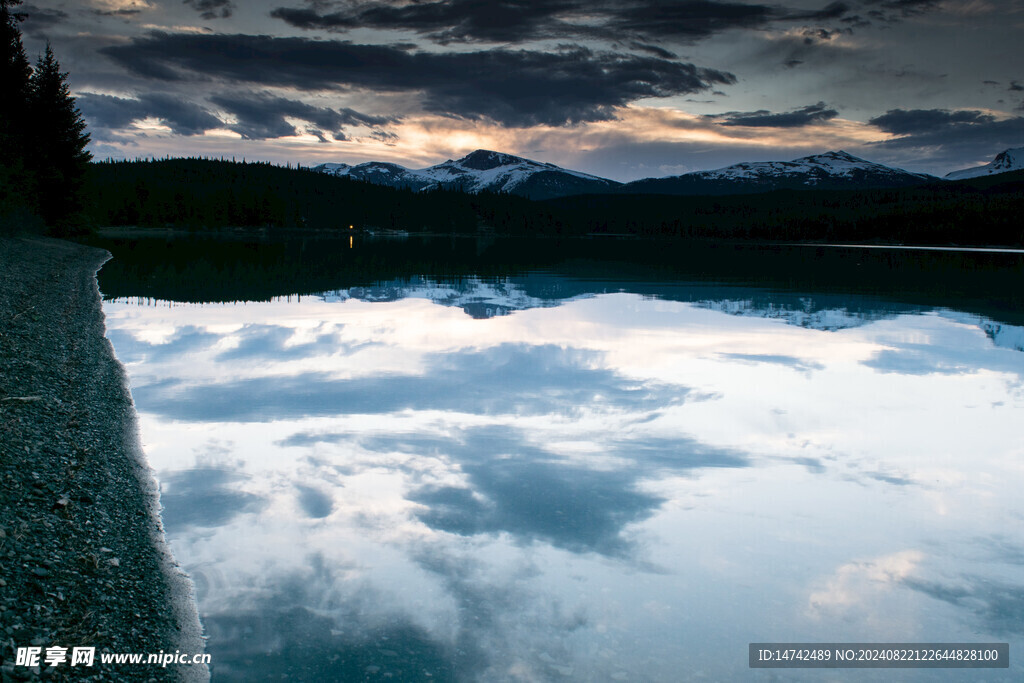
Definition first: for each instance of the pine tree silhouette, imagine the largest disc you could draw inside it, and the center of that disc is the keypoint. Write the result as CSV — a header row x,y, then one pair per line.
x,y
58,153
16,187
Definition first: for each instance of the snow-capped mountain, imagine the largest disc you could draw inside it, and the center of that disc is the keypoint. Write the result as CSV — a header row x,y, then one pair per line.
x,y
831,171
479,171
1007,160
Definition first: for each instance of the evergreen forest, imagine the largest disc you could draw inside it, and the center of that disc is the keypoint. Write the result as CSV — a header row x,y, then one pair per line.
x,y
202,194
43,156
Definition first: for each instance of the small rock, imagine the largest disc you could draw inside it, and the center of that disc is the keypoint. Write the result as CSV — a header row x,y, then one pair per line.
x,y
39,571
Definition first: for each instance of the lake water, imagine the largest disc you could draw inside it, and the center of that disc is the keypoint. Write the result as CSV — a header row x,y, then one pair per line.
x,y
474,460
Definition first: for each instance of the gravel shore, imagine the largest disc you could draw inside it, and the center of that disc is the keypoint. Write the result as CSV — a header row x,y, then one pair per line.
x,y
82,557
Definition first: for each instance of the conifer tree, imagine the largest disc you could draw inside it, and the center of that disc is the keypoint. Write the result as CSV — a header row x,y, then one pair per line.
x,y
58,154
16,191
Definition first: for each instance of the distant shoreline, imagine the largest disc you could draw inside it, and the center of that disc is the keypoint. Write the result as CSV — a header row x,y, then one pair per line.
x,y
84,561
248,232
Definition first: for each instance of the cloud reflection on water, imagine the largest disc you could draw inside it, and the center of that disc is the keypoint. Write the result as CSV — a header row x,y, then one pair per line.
x,y
507,379
590,491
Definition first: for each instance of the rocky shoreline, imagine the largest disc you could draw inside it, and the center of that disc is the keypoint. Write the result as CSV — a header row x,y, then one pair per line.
x,y
82,557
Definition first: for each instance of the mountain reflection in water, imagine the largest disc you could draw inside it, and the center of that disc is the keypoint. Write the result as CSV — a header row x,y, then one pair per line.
x,y
461,460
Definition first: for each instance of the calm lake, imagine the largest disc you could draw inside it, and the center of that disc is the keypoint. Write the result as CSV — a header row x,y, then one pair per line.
x,y
478,460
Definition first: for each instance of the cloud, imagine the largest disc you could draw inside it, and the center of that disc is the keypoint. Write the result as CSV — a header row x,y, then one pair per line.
x,y
185,340
513,87
516,21
804,116
262,116
181,116
793,362
445,21
950,134
918,121
273,342
315,503
283,628
833,10
509,379
997,605
864,584
38,19
204,497
532,493
689,19
893,11
212,9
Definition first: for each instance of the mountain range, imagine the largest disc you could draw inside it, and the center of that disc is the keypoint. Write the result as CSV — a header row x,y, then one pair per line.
x,y
479,171
485,170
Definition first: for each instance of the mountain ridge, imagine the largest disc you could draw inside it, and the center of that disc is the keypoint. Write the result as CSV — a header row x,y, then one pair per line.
x,y
479,171
490,171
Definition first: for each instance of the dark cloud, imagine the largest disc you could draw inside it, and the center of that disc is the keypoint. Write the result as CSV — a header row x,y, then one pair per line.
x,y
833,10
445,21
891,11
689,19
259,342
315,503
1015,87
514,21
262,116
283,631
212,9
998,606
654,50
185,340
38,19
917,121
533,494
804,116
570,507
204,497
124,12
509,379
181,116
514,87
952,135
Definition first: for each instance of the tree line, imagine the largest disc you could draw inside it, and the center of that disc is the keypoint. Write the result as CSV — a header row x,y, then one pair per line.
x,y
203,194
43,138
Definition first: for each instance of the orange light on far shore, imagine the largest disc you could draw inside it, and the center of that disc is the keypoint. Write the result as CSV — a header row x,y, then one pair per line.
x,y
351,227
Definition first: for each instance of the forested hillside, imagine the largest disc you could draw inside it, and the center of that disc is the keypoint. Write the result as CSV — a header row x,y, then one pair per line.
x,y
982,211
205,194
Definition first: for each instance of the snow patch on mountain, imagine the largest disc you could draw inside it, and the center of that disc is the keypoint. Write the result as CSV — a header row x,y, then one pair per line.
x,y
1005,161
479,171
817,167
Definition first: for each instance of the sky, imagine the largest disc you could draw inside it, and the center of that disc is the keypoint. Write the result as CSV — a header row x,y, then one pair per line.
x,y
623,89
